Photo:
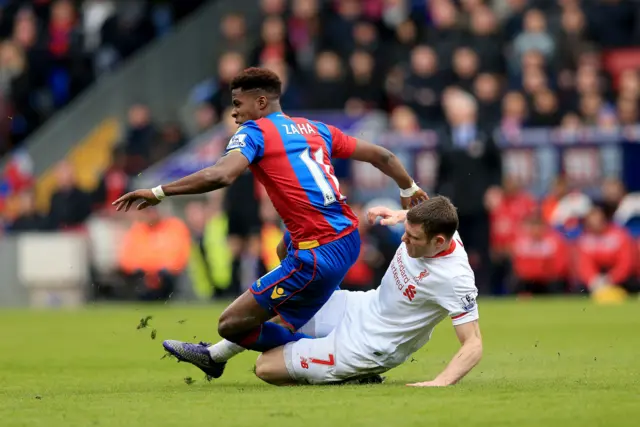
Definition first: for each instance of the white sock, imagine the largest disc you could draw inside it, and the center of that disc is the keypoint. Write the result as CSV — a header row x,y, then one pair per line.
x,y
224,350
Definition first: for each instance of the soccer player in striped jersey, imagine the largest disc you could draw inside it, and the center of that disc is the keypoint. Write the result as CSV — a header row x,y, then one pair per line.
x,y
291,157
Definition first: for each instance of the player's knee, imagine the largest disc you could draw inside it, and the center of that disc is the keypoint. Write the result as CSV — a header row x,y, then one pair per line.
x,y
264,369
227,327
268,370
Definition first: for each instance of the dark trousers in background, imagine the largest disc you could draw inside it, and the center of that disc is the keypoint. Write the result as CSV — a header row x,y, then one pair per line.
x,y
151,286
539,288
474,230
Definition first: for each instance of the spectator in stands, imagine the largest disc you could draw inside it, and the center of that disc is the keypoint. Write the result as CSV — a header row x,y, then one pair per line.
x,y
28,219
422,87
233,30
15,84
365,37
339,25
273,7
507,207
406,38
606,254
274,44
559,189
485,37
210,257
570,125
330,90
574,34
447,32
540,258
141,134
205,118
230,65
629,86
304,32
404,121
70,206
113,183
292,92
128,30
535,36
612,192
365,86
590,108
486,88
465,68
470,164
545,110
534,81
514,17
154,252
514,113
628,111
94,14
65,50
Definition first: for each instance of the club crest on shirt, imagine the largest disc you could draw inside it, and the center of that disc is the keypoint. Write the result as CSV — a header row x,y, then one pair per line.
x,y
237,141
423,275
468,302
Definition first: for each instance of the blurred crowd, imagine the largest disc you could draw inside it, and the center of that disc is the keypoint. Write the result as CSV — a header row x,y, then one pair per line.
x,y
528,62
462,68
51,50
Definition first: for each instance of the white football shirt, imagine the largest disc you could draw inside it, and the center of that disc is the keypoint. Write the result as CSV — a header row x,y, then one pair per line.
x,y
385,326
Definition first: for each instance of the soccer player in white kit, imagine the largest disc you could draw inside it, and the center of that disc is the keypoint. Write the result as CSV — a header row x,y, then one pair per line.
x,y
360,334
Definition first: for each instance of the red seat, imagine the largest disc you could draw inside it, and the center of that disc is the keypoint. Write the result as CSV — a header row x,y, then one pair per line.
x,y
618,60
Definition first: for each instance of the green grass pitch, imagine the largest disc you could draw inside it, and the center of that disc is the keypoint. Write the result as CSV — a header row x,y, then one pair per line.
x,y
546,363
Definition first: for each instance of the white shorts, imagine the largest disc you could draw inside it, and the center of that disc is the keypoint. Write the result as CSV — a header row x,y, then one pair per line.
x,y
327,359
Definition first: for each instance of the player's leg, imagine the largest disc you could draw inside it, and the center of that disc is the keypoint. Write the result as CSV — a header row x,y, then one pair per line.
x,y
224,349
284,291
325,321
271,368
298,305
328,317
244,324
308,361
296,290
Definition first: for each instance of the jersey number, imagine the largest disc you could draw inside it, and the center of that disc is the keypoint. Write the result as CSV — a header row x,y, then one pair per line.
x,y
314,166
329,362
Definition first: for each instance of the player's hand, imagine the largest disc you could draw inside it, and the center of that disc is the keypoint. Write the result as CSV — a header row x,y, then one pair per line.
x,y
433,383
125,202
418,197
389,216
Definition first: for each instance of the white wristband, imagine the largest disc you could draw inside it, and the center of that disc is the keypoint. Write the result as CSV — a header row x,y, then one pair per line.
x,y
409,191
158,192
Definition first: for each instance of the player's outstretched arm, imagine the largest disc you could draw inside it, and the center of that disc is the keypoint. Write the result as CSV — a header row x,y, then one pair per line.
x,y
387,216
390,165
465,359
220,175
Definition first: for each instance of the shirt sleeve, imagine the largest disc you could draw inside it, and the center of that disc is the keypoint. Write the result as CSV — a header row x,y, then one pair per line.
x,y
460,303
342,145
248,140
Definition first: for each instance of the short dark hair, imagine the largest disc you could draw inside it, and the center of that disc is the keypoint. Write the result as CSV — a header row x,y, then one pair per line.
x,y
258,79
436,215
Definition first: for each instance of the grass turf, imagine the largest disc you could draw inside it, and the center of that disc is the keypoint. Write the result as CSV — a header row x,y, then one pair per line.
x,y
546,363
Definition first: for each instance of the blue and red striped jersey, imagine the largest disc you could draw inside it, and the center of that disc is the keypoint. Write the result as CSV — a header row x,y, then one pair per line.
x,y
291,157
